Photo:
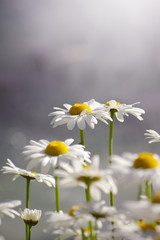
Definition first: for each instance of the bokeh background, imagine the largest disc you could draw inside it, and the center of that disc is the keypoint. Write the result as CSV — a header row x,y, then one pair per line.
x,y
66,51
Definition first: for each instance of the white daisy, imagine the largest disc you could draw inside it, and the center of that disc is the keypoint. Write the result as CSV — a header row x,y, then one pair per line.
x,y
99,211
59,221
122,110
6,208
145,210
11,168
30,216
51,153
137,167
80,114
77,175
153,135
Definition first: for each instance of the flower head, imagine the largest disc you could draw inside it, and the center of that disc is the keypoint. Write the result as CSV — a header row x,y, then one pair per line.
x,y
51,153
77,175
138,167
122,110
11,168
6,208
80,114
153,135
30,217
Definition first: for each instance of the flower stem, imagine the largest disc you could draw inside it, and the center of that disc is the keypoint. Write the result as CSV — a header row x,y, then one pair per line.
x,y
27,204
148,190
139,192
82,137
88,196
57,194
27,192
29,230
111,137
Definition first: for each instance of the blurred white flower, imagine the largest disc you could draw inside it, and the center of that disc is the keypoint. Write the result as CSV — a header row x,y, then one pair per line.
x,y
59,222
122,110
77,175
136,167
6,208
52,153
153,135
80,114
11,168
30,216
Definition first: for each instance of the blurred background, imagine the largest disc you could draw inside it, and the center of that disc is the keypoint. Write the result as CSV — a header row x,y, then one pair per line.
x,y
67,51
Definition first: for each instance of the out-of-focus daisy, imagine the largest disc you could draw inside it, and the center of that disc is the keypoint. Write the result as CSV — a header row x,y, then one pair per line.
x,y
52,153
138,167
99,211
97,180
146,210
58,221
30,216
11,168
6,208
122,110
80,114
153,135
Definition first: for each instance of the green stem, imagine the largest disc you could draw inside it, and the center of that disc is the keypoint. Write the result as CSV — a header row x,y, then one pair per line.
x,y
111,137
27,204
148,192
29,229
27,232
27,192
139,192
111,199
88,196
92,237
83,235
57,194
82,137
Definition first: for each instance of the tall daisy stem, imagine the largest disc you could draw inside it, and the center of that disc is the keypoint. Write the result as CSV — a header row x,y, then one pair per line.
x,y
57,193
82,137
111,136
111,150
88,199
27,205
27,192
148,190
88,196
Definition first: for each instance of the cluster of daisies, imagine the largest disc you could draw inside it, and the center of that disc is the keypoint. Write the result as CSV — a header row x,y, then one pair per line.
x,y
63,164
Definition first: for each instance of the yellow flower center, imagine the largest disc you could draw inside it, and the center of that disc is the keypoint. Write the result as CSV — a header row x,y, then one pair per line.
x,y
156,199
71,211
86,167
158,238
77,108
145,160
147,226
34,173
56,148
107,103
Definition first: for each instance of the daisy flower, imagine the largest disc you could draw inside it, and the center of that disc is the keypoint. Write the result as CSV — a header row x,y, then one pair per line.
x,y
80,113
59,221
49,154
122,110
30,216
6,208
140,167
153,135
99,211
77,175
11,168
